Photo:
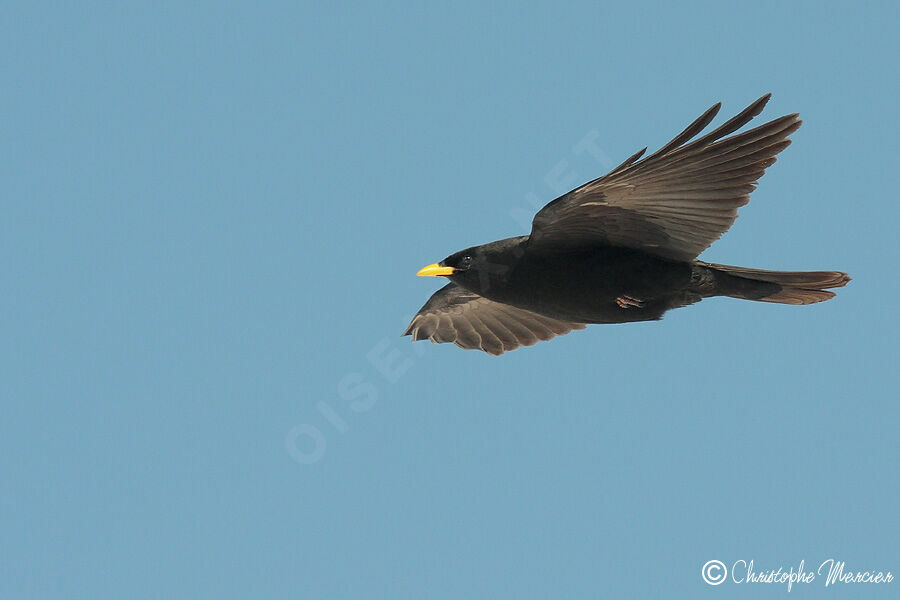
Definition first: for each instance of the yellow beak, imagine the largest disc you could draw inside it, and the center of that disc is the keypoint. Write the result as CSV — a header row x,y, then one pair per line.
x,y
434,270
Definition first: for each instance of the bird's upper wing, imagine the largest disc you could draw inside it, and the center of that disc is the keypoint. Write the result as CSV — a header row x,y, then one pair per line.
x,y
675,202
454,314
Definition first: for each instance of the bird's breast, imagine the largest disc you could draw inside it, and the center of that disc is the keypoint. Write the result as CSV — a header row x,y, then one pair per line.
x,y
587,286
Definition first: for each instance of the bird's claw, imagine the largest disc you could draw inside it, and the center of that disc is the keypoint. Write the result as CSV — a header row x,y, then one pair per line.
x,y
629,302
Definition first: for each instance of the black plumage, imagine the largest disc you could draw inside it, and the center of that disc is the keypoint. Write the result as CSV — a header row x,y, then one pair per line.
x,y
621,248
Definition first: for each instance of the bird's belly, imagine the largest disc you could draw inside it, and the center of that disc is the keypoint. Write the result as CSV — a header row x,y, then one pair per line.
x,y
609,286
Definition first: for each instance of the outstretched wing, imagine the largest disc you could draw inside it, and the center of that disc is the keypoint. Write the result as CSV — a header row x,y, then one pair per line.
x,y
675,202
454,314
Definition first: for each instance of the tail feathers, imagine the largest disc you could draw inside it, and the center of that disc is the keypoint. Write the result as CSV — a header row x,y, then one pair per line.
x,y
803,279
783,287
798,296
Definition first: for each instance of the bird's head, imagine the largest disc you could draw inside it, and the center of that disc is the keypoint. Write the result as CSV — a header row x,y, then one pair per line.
x,y
454,265
476,268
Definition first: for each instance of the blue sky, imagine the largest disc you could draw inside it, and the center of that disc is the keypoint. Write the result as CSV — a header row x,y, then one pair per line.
x,y
212,218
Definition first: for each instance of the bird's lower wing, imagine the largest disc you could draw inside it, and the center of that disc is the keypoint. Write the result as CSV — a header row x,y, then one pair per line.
x,y
454,314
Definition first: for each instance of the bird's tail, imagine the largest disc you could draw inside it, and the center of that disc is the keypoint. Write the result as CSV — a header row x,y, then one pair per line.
x,y
782,287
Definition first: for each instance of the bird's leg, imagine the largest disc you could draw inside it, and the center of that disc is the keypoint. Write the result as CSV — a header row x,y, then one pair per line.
x,y
628,302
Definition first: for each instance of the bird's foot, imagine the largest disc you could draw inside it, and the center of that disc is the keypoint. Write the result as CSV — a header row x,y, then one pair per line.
x,y
629,302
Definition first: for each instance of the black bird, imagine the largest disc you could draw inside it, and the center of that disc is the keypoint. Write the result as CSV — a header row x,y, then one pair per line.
x,y
621,248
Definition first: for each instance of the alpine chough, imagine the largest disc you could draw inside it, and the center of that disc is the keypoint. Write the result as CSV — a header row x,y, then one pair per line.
x,y
621,248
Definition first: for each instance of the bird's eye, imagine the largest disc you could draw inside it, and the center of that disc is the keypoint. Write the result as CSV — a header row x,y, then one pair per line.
x,y
465,262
